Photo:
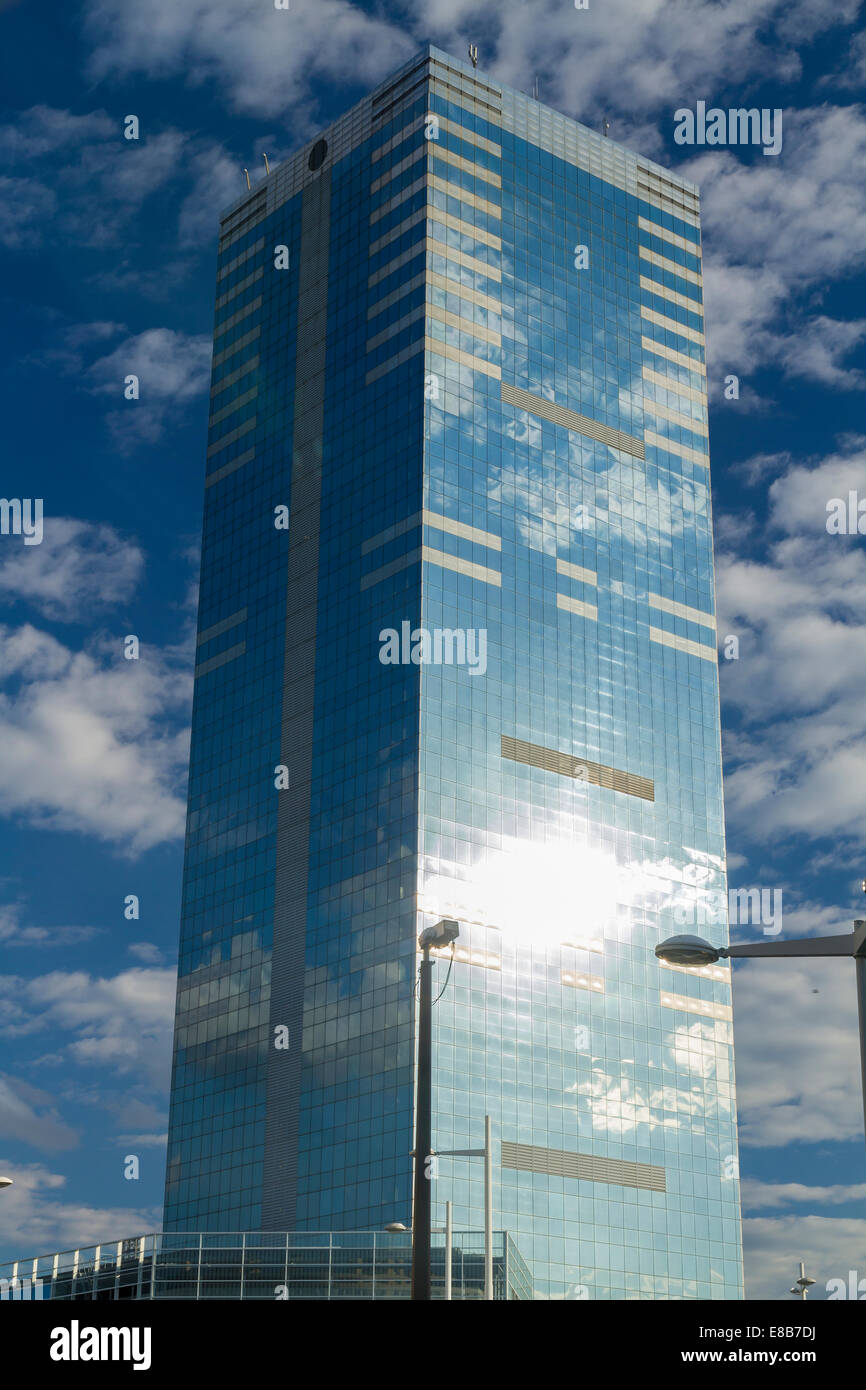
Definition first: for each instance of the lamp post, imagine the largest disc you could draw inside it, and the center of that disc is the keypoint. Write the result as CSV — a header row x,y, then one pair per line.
x,y
487,1154
5,1182
694,951
442,934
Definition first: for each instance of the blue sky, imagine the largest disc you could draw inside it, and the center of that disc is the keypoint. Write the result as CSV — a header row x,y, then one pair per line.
x,y
107,269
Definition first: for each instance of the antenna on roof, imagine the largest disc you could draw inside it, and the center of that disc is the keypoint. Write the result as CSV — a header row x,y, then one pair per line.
x,y
473,54
535,89
267,165
605,126
247,172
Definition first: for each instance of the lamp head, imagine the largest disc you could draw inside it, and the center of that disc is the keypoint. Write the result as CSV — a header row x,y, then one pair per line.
x,y
687,950
442,934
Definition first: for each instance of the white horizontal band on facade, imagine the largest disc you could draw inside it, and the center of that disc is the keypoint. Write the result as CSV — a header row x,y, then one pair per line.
x,y
430,213
237,404
672,383
475,330
576,572
447,219
675,417
478,171
466,955
672,446
707,972
668,198
230,378
438,348
682,359
431,556
222,659
682,644
436,248
237,346
656,229
584,943
681,610
451,256
673,267
396,295
415,157
460,566
706,1007
464,133
694,335
230,438
234,319
402,197
456,287
251,251
472,200
239,288
232,467
578,606
414,316
576,979
465,359
224,625
682,301
402,227
450,127
413,350
441,523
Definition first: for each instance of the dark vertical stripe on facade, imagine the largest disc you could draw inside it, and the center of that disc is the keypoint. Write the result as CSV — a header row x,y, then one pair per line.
x,y
280,1178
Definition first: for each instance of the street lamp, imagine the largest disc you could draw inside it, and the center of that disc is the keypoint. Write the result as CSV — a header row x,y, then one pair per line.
x,y
801,1284
442,934
694,951
397,1228
5,1182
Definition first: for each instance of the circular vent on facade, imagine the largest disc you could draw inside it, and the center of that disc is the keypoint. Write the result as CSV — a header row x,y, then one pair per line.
x,y
317,154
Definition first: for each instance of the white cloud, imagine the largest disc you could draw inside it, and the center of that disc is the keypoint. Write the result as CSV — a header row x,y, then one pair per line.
x,y
767,1196
172,369
774,1247
13,932
270,63
796,766
79,568
26,207
91,740
35,1219
777,229
29,1115
266,61
798,1065
147,952
121,1024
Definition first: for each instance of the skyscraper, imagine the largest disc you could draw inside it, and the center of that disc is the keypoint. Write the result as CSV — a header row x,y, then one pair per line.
x,y
457,657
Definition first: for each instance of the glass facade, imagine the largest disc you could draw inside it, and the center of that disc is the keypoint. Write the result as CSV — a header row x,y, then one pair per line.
x,y
263,1265
459,345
